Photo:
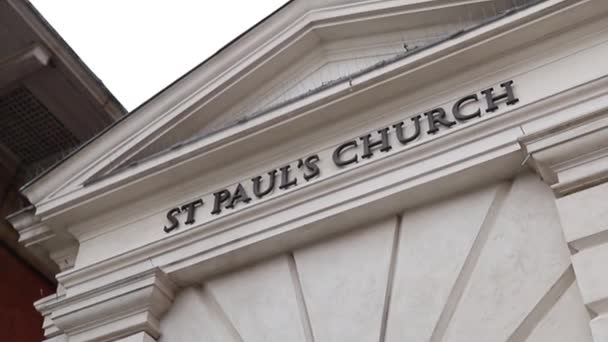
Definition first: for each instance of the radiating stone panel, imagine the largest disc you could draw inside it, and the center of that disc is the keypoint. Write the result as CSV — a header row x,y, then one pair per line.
x,y
195,317
524,257
260,301
567,321
344,282
434,244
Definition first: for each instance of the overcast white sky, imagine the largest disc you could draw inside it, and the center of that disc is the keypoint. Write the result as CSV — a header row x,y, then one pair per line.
x,y
138,47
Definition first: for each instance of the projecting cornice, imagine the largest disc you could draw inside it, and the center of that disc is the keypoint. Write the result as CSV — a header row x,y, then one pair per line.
x,y
56,249
127,307
572,155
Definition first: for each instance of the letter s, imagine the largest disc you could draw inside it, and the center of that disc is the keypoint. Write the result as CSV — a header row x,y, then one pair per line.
x,y
310,164
172,219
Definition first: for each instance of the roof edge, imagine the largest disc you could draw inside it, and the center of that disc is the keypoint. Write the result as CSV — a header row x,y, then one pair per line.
x,y
148,101
63,51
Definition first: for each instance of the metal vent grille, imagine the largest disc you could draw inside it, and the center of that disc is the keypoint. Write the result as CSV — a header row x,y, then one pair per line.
x,y
29,130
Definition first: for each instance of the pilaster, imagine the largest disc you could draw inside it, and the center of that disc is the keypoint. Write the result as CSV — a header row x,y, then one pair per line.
x,y
572,158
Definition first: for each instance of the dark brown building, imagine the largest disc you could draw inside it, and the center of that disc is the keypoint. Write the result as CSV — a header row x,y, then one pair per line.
x,y
50,103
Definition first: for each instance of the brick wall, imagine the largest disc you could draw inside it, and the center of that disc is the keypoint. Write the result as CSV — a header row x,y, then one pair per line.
x,y
20,287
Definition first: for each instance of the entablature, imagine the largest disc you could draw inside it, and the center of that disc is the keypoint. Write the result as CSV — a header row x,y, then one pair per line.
x,y
201,91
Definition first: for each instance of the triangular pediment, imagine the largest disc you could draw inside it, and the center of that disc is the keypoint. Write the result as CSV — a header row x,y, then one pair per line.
x,y
299,52
325,65
329,55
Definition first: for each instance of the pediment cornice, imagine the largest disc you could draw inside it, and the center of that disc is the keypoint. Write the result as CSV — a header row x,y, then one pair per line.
x,y
71,182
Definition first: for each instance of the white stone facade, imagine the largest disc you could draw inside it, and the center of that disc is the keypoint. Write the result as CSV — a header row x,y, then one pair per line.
x,y
489,229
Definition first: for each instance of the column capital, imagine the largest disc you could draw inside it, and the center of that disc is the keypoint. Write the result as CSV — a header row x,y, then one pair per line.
x,y
572,155
126,308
